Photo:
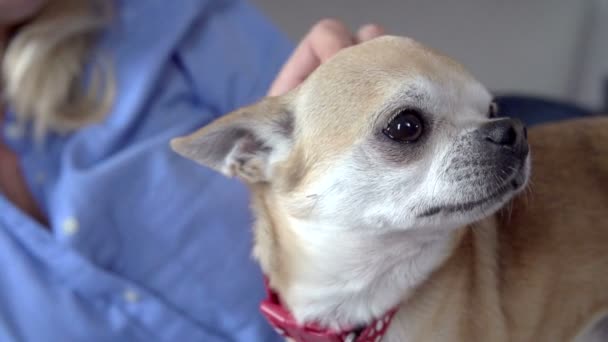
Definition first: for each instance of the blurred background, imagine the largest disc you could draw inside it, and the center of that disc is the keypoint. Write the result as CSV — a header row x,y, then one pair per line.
x,y
549,48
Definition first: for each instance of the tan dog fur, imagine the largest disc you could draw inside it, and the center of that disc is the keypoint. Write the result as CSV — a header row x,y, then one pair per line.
x,y
533,271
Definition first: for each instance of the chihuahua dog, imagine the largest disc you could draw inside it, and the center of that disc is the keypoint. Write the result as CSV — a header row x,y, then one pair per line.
x,y
386,181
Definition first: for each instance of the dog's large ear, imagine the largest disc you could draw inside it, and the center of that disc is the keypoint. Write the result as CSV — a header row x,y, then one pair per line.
x,y
245,143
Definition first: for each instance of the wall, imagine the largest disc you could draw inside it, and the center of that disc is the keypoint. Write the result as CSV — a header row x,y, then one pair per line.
x,y
542,47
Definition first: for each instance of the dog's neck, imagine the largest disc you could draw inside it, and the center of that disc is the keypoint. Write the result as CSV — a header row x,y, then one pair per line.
x,y
340,277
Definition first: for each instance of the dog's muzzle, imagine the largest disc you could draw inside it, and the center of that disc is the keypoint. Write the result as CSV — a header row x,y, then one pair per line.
x,y
506,136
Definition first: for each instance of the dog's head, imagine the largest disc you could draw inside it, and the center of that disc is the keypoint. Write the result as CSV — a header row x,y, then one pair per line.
x,y
387,135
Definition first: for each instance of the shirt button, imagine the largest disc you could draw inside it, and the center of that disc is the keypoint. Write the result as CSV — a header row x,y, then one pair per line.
x,y
13,130
70,226
130,296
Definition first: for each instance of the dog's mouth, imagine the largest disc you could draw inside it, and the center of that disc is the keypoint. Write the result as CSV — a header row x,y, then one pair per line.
x,y
511,186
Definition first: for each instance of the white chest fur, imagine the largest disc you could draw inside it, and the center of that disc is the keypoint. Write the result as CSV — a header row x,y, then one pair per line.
x,y
351,281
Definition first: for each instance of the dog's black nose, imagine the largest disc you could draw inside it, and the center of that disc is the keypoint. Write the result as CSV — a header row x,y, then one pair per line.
x,y
504,132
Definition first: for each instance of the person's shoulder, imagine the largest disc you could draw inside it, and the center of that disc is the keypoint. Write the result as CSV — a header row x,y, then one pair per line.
x,y
225,52
233,52
132,20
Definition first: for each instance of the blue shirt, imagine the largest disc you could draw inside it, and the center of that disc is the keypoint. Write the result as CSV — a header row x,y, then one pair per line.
x,y
145,245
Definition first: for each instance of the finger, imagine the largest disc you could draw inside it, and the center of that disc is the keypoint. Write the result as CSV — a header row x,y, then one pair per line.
x,y
369,31
328,37
302,62
324,40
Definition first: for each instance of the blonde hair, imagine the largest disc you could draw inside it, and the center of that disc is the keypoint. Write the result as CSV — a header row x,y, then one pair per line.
x,y
47,62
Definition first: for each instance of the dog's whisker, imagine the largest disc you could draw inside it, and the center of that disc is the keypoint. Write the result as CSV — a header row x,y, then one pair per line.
x,y
509,211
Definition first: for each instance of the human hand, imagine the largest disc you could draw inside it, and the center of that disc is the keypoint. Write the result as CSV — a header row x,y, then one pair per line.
x,y
324,40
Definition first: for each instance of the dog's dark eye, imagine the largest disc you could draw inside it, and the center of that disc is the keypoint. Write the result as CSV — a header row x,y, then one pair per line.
x,y
405,126
493,110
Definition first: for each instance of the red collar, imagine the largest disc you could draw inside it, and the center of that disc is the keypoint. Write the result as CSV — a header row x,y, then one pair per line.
x,y
285,324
